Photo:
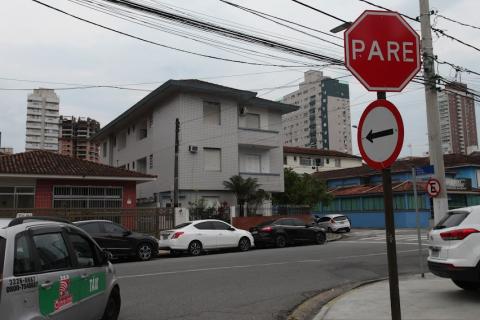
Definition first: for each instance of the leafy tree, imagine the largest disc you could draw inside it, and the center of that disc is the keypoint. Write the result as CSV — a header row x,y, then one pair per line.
x,y
303,189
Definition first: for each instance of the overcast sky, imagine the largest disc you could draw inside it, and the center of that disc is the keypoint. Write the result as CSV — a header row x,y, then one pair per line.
x,y
39,44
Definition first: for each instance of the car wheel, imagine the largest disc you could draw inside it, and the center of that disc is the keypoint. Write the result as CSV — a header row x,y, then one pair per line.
x,y
195,248
467,285
280,241
244,244
112,310
347,230
320,238
144,251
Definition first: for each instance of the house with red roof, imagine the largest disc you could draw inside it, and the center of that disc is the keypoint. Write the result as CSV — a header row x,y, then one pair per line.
x,y
42,179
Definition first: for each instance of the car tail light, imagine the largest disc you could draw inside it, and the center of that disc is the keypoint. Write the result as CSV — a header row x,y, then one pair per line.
x,y
459,234
177,235
266,229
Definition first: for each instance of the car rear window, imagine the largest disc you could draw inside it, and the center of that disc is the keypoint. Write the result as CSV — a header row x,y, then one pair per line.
x,y
340,218
266,223
182,225
452,219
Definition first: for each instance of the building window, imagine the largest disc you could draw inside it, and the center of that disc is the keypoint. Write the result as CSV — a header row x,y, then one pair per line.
x,y
150,161
142,165
337,163
305,161
327,160
213,159
211,113
17,197
284,160
252,163
142,130
85,197
252,121
122,140
104,149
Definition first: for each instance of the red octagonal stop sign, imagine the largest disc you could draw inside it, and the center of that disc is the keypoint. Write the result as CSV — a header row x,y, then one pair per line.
x,y
382,51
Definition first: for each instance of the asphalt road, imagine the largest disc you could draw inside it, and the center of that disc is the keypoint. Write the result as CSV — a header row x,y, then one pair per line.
x,y
259,284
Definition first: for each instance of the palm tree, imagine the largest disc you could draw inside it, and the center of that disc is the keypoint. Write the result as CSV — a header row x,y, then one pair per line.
x,y
244,189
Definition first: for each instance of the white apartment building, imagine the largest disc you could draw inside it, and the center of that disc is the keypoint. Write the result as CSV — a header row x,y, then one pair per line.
x,y
42,120
223,132
310,160
323,118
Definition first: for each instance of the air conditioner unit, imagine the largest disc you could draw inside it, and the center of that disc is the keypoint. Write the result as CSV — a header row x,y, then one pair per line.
x,y
243,110
193,149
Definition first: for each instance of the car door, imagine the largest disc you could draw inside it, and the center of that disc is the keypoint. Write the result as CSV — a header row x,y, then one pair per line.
x,y
92,283
288,226
226,237
58,280
206,234
302,231
117,239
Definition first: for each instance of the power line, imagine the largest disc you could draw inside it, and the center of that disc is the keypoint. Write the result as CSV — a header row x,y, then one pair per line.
x,y
159,44
321,11
458,22
267,17
229,33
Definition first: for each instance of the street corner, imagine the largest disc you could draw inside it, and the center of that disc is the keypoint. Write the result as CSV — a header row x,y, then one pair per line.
x,y
421,298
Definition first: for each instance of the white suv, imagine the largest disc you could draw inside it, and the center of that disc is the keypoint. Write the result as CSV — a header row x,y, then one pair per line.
x,y
454,250
50,269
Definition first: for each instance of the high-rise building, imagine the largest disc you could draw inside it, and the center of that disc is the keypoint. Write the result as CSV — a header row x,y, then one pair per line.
x,y
323,120
75,134
458,125
42,120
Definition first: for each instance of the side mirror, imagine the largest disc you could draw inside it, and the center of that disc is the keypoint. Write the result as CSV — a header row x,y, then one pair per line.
x,y
105,257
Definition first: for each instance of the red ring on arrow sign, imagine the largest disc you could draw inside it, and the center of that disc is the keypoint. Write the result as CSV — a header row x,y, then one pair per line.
x,y
381,103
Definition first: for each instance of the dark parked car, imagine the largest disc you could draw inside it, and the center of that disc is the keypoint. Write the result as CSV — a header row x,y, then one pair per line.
x,y
119,241
285,231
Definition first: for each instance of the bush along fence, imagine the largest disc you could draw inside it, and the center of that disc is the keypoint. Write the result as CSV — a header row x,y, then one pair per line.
x,y
144,220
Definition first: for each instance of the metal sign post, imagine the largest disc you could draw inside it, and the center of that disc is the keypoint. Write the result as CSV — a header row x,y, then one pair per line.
x,y
419,232
390,237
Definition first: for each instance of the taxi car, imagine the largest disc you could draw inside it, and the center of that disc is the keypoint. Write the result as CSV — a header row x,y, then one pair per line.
x,y
50,269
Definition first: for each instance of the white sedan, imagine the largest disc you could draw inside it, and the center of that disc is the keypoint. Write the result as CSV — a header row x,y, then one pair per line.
x,y
203,235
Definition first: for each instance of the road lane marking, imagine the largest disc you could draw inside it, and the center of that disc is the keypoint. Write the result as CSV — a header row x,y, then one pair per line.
x,y
254,265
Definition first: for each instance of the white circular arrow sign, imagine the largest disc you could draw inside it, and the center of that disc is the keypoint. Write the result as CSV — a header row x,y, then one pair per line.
x,y
380,134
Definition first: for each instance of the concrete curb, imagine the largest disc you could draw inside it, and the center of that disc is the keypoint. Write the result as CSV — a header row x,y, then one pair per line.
x,y
316,307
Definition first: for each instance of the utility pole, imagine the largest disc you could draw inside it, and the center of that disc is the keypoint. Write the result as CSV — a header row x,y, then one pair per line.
x,y
175,173
440,203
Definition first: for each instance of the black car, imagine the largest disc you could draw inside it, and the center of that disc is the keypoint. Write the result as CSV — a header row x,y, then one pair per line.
x,y
285,231
120,242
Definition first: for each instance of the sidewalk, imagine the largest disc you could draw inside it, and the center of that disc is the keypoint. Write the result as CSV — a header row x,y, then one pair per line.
x,y
431,298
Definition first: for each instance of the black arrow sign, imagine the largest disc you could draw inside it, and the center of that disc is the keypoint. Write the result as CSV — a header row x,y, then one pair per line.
x,y
371,136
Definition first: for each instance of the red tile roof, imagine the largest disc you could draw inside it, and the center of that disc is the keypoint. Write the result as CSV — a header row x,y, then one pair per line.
x,y
52,164
319,152
402,165
366,189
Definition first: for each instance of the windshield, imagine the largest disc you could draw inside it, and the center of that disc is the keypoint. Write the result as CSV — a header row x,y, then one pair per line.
x,y
340,218
452,219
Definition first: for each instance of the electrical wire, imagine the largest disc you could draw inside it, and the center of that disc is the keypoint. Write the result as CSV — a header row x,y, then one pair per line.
x,y
458,22
159,44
